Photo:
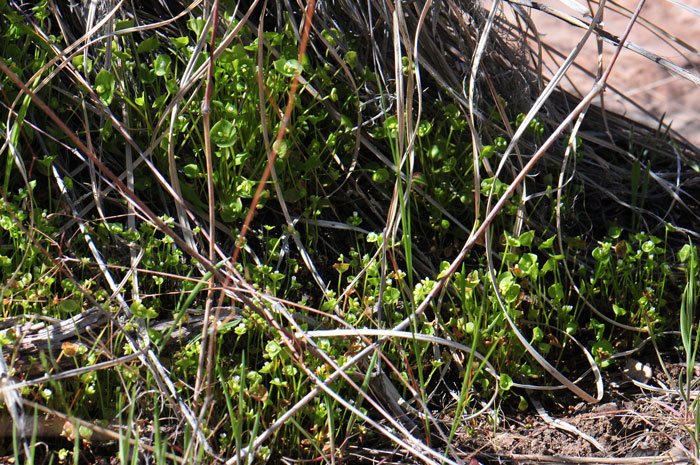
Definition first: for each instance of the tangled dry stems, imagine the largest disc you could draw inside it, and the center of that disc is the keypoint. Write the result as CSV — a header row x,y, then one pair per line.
x,y
441,55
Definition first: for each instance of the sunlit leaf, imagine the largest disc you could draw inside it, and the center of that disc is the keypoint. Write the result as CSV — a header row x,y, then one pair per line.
x,y
161,65
104,86
223,133
148,45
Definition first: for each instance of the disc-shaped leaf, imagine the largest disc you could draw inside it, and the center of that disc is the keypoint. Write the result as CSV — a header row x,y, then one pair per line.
x,y
288,67
104,85
161,65
191,170
69,306
223,133
391,295
141,311
505,382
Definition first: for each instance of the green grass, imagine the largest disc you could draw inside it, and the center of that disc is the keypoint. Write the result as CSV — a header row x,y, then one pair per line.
x,y
356,228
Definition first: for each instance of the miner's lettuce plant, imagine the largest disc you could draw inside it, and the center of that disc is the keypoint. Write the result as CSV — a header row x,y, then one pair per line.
x,y
308,207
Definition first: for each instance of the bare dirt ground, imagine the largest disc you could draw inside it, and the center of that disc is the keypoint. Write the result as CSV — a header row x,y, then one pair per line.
x,y
654,88
640,420
633,424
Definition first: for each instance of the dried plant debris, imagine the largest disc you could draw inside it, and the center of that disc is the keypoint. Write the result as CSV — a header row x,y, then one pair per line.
x,y
388,248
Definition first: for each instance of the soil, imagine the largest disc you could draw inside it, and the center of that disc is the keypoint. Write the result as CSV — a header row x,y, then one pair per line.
x,y
635,422
654,88
635,418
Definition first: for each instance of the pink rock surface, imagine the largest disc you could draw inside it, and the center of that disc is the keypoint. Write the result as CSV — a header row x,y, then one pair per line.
x,y
653,87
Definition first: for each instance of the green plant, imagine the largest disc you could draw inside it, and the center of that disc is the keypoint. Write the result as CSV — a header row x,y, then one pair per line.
x,y
355,244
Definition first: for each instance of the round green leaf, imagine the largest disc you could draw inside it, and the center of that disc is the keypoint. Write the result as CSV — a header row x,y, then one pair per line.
x,y
288,67
191,170
381,175
69,306
556,291
424,128
615,232
273,349
648,247
501,144
391,126
528,264
506,382
512,294
351,58
141,311
280,147
223,133
391,295
161,65
104,86
146,74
